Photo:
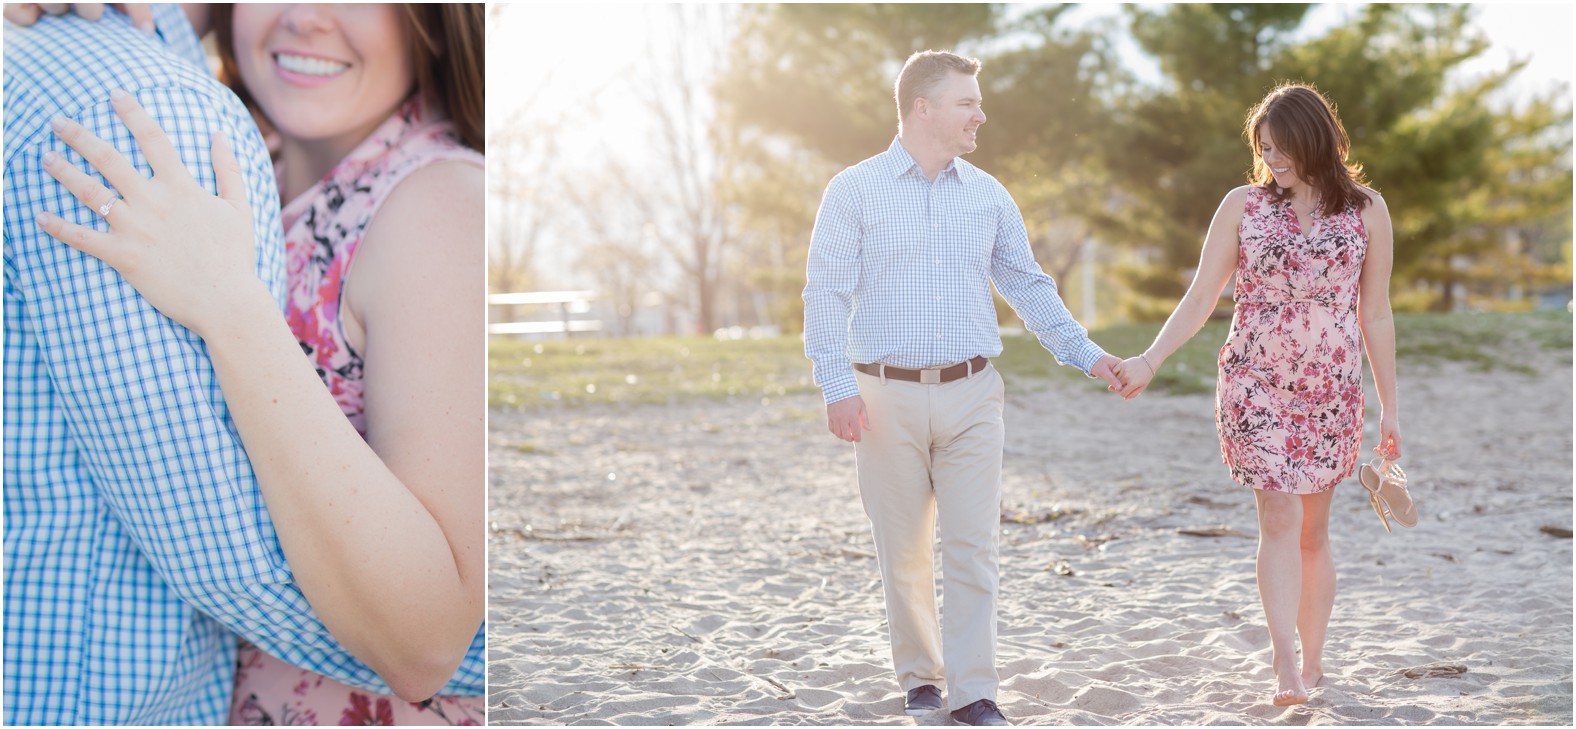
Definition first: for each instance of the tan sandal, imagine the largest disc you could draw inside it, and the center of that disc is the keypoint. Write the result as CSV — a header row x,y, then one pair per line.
x,y
1386,484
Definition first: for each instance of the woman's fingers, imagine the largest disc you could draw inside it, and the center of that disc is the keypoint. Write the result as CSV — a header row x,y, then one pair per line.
x,y
90,11
85,239
141,15
155,144
103,156
23,14
86,189
227,170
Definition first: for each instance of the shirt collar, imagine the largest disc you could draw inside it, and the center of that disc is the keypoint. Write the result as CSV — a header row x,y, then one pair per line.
x,y
899,162
179,36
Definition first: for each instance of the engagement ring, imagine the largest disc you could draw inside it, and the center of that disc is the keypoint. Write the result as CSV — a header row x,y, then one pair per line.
x,y
103,210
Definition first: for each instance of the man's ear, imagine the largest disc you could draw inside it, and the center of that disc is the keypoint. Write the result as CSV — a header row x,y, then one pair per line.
x,y
921,106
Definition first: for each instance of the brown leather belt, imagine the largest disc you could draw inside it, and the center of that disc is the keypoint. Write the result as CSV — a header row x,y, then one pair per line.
x,y
928,377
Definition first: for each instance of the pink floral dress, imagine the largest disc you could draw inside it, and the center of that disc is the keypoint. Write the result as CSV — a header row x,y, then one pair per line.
x,y
1289,400
323,229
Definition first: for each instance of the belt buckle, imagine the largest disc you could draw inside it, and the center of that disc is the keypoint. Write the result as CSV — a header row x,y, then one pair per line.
x,y
930,377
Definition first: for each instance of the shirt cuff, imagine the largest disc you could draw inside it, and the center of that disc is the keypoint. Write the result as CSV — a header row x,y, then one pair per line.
x,y
1087,357
841,387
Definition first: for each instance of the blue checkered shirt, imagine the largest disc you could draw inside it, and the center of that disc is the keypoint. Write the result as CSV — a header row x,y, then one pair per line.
x,y
900,272
136,538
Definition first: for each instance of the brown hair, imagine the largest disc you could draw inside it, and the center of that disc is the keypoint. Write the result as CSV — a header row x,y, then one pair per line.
x,y
922,71
1308,131
446,52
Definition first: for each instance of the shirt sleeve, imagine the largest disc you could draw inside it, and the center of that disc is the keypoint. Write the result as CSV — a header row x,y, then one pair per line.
x,y
1032,293
833,271
143,403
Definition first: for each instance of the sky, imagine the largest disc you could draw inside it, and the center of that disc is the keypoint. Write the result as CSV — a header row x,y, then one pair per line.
x,y
1542,31
549,60
563,50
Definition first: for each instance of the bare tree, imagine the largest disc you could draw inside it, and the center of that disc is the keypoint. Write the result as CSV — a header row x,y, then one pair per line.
x,y
614,243
677,197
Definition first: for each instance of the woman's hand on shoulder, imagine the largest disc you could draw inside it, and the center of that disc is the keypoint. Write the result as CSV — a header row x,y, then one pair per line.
x,y
186,251
26,14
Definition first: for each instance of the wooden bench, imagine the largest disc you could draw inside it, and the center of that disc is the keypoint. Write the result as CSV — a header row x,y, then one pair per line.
x,y
569,303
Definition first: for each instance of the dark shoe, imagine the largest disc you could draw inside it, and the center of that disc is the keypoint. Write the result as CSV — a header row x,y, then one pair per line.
x,y
980,713
923,700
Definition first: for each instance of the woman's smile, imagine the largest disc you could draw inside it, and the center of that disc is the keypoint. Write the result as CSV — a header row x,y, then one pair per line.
x,y
307,70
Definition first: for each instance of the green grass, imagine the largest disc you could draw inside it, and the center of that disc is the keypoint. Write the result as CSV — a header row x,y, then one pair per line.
x,y
643,371
1487,342
1190,370
664,370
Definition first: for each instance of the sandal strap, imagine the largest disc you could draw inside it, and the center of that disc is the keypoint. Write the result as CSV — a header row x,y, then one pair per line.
x,y
1378,474
1394,474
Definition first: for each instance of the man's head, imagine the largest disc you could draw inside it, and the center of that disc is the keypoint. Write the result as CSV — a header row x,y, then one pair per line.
x,y
938,99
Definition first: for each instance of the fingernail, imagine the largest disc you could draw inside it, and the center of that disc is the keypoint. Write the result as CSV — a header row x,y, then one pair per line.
x,y
58,124
117,95
146,26
44,218
50,158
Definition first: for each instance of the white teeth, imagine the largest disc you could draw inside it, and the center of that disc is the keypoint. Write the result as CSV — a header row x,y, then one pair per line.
x,y
309,66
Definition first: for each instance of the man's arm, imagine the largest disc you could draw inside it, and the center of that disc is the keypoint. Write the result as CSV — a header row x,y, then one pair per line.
x,y
1032,294
832,274
145,409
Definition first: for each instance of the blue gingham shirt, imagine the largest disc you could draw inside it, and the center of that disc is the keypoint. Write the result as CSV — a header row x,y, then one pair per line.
x,y
900,271
136,538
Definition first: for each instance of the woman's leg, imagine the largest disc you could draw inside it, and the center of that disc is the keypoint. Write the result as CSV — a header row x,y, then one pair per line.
x,y
1318,584
1280,586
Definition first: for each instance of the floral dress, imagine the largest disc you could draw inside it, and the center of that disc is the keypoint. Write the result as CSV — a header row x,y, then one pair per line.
x,y
1289,400
323,229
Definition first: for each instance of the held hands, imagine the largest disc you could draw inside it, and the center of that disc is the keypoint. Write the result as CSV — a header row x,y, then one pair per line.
x,y
183,249
1109,368
1136,376
846,417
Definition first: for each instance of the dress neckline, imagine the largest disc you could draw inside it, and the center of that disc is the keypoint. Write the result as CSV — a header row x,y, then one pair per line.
x,y
1313,217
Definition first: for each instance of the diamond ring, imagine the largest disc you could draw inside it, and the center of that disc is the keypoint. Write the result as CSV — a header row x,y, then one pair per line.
x,y
104,209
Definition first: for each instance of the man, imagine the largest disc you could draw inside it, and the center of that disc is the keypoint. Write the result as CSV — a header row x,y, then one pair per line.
x,y
136,538
900,324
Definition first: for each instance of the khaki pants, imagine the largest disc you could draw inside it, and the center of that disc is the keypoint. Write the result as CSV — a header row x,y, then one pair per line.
x,y
935,450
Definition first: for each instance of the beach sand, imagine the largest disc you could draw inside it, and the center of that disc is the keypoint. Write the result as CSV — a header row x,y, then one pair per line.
x,y
710,563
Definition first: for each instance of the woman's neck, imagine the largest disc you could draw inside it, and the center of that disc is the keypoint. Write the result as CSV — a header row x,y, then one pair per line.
x,y
299,168
1301,194
304,162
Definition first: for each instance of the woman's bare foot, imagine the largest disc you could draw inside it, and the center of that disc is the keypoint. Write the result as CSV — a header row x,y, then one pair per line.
x,y
1290,690
1311,678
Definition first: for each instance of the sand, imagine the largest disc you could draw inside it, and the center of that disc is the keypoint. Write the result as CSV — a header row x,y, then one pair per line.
x,y
710,563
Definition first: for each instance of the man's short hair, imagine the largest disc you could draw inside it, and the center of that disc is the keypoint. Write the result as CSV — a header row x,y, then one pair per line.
x,y
922,71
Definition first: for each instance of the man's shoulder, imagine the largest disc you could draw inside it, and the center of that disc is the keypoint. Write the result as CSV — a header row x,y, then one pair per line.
x,y
62,64
972,174
868,169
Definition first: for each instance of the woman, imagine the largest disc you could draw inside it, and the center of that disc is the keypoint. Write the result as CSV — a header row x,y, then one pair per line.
x,y
374,482
1312,249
